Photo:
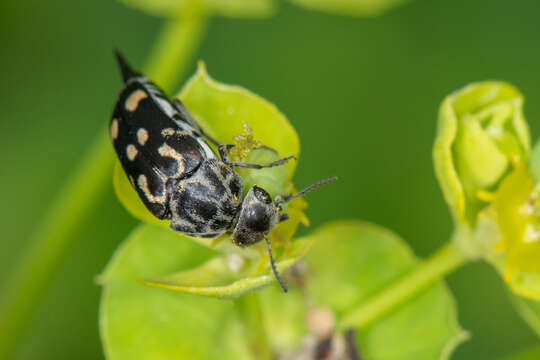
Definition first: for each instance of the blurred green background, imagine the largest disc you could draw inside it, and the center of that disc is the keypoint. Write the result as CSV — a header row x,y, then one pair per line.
x,y
363,95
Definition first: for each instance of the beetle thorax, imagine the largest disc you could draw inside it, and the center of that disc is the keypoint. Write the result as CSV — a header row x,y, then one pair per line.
x,y
207,203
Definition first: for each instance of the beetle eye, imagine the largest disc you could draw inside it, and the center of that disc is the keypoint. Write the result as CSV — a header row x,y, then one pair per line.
x,y
262,195
257,219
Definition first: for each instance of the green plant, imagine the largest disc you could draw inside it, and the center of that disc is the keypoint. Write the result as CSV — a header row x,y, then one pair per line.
x,y
399,306
371,283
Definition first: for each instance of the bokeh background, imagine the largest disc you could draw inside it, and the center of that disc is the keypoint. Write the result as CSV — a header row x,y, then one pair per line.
x,y
363,95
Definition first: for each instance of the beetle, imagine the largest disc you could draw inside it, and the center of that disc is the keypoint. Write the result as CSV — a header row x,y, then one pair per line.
x,y
168,160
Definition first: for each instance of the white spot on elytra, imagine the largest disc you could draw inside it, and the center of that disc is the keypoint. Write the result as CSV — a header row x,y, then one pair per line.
x,y
114,129
167,151
167,132
230,110
142,136
131,151
132,102
143,185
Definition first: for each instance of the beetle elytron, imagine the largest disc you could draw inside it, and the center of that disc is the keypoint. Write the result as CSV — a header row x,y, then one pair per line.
x,y
179,177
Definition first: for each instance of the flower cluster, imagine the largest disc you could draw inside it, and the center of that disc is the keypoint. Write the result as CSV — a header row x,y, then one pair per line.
x,y
484,164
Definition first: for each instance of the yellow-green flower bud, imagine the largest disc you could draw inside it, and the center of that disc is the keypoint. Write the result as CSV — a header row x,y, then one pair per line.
x,y
482,162
481,131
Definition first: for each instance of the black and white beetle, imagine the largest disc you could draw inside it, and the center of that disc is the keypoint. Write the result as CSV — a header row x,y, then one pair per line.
x,y
179,177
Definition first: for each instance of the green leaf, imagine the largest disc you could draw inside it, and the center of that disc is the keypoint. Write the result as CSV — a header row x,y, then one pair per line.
x,y
144,254
215,279
284,317
532,353
364,260
138,322
351,7
271,179
141,322
529,311
219,278
229,8
222,110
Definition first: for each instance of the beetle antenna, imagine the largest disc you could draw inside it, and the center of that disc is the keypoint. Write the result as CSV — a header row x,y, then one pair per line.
x,y
127,71
273,265
308,189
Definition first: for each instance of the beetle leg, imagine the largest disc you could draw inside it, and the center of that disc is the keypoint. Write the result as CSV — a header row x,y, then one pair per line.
x,y
283,217
261,166
224,152
224,148
264,147
208,137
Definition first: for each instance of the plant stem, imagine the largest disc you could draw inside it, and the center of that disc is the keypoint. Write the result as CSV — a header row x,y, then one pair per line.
x,y
49,243
86,188
445,260
249,309
174,49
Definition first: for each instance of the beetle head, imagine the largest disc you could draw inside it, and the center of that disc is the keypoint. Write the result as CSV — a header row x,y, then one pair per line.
x,y
257,217
259,214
